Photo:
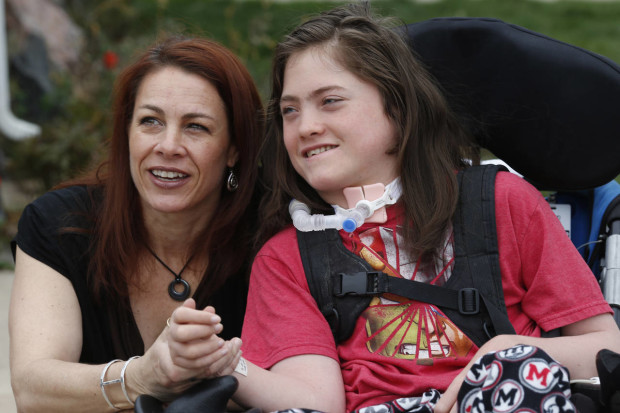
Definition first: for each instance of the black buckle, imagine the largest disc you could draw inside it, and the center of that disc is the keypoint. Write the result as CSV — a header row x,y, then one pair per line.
x,y
469,301
358,284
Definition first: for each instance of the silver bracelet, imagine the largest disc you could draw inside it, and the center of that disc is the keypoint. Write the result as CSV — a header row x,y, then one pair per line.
x,y
103,383
122,379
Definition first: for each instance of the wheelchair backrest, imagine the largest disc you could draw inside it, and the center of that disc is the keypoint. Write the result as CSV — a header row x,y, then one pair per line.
x,y
547,108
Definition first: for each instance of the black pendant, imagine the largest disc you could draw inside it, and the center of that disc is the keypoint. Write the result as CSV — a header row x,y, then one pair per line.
x,y
179,295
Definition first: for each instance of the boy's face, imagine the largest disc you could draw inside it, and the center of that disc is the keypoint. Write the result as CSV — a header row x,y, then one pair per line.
x,y
335,129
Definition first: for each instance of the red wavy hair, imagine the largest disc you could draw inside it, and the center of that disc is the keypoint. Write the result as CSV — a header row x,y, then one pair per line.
x,y
118,232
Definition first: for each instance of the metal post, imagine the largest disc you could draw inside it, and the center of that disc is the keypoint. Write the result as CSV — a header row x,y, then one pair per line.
x,y
10,126
610,277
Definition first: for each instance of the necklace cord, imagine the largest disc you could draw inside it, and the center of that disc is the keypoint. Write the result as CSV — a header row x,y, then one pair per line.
x,y
176,275
174,294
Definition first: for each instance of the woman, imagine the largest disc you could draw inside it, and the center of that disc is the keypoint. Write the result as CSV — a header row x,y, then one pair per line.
x,y
116,265
353,115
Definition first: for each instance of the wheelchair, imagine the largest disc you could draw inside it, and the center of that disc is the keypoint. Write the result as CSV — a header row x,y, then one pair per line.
x,y
547,109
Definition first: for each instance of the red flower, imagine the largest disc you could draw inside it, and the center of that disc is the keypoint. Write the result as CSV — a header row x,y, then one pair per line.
x,y
110,59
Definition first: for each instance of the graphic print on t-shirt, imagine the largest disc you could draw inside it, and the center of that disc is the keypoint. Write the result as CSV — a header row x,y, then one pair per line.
x,y
402,328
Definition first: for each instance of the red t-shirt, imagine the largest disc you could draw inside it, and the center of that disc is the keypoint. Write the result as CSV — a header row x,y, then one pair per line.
x,y
401,349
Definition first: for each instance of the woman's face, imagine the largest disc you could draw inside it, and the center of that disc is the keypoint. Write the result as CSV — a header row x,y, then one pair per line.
x,y
336,132
179,144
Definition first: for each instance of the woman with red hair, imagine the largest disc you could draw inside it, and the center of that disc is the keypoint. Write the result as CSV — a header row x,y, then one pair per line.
x,y
111,268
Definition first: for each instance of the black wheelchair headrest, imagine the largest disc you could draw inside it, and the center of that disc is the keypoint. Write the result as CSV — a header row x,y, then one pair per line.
x,y
549,109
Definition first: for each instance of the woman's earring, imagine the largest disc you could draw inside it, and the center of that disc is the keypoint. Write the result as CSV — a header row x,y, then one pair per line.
x,y
231,183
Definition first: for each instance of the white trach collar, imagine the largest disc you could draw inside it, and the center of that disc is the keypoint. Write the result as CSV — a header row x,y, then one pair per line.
x,y
347,219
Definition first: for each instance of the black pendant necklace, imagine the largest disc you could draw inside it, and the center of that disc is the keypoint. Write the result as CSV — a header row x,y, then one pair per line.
x,y
178,281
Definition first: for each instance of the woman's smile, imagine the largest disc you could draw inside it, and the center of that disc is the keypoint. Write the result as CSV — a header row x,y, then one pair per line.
x,y
179,142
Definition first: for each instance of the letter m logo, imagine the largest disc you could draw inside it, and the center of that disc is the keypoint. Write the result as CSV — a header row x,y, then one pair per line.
x,y
538,373
506,398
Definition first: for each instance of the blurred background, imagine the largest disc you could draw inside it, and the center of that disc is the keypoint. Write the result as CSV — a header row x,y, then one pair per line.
x,y
63,56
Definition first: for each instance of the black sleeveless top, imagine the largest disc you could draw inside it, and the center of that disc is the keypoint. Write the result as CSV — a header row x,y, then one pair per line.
x,y
109,329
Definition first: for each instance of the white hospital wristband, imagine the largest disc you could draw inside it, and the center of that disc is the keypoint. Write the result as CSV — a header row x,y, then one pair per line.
x,y
242,367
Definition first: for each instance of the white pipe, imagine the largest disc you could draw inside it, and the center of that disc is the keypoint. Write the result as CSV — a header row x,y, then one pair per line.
x,y
303,221
10,126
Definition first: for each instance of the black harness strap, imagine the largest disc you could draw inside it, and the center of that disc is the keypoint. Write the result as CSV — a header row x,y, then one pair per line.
x,y
323,254
374,283
343,284
476,252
